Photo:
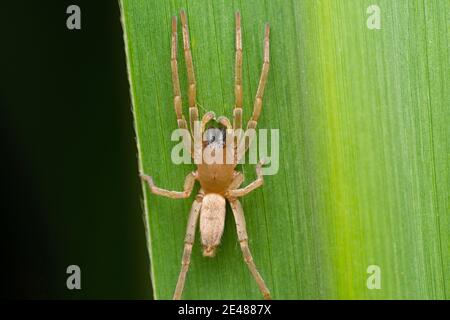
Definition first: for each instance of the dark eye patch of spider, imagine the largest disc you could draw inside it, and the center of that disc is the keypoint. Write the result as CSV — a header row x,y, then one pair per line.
x,y
215,136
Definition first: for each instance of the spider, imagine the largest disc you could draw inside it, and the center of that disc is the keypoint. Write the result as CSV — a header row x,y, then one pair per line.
x,y
219,182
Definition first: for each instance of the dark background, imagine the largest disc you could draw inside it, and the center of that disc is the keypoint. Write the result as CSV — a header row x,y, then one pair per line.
x,y
70,189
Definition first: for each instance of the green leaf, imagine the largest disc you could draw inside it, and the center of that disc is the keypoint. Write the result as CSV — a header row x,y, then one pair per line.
x,y
364,145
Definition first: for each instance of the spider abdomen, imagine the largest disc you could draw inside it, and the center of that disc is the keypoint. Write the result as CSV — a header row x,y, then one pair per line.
x,y
212,222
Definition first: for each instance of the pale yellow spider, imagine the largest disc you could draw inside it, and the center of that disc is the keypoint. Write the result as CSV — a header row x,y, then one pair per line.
x,y
219,181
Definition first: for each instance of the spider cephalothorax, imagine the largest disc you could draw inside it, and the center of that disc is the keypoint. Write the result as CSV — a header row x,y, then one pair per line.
x,y
216,173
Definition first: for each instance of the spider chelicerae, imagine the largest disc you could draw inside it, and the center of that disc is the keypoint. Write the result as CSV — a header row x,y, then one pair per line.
x,y
220,182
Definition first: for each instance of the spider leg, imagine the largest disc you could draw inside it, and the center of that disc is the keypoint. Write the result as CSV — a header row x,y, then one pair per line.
x,y
188,186
244,142
188,243
198,129
237,111
175,79
206,118
225,122
230,151
192,91
234,193
239,218
262,83
237,180
187,138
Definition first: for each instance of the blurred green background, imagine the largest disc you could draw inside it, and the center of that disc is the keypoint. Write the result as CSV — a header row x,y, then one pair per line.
x,y
71,193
